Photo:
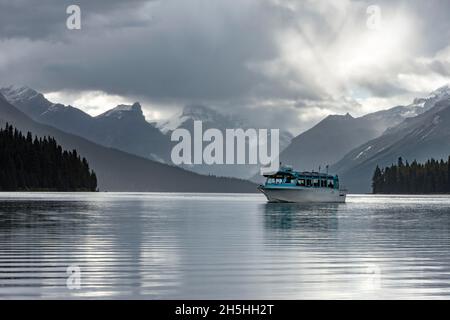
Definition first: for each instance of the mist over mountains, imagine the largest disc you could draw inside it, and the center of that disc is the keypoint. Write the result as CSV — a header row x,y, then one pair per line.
x,y
214,119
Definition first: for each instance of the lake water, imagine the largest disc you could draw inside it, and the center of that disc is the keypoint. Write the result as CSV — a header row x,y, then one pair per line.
x,y
209,246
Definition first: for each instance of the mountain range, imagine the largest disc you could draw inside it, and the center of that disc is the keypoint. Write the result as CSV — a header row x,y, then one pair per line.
x,y
420,138
125,128
352,146
336,135
120,171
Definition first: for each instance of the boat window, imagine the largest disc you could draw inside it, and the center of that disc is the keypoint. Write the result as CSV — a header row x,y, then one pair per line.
x,y
308,183
288,179
316,183
270,180
330,184
279,181
323,183
301,182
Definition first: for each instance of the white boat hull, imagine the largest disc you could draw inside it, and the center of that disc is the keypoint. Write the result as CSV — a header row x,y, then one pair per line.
x,y
306,195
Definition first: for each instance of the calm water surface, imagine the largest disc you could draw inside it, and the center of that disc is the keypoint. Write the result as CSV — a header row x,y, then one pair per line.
x,y
200,246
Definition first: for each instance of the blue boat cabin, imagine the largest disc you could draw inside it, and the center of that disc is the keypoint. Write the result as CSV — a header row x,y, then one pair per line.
x,y
288,177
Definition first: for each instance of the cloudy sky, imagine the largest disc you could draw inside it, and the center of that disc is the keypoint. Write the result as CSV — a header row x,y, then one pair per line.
x,y
275,61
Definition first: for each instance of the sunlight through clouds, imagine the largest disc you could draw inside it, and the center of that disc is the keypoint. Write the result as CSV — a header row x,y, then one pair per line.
x,y
317,55
93,102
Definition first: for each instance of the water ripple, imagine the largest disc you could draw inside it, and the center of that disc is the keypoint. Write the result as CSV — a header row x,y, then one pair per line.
x,y
195,246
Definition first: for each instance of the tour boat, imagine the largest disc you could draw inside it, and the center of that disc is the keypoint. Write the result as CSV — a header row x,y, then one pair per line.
x,y
287,185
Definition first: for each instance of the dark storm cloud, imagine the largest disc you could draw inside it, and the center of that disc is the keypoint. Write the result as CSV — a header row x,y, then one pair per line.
x,y
231,53
47,18
186,53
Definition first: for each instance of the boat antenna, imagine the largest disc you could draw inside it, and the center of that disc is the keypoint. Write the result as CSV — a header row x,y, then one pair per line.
x,y
319,169
327,169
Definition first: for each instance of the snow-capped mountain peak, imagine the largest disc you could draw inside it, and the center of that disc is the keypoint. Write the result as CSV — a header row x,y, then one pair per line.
x,y
19,93
123,110
441,92
209,116
199,112
26,99
434,97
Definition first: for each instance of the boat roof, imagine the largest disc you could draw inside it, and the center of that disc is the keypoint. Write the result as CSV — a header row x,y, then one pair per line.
x,y
289,171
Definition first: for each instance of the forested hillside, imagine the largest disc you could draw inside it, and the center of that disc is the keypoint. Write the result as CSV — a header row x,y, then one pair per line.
x,y
41,164
414,178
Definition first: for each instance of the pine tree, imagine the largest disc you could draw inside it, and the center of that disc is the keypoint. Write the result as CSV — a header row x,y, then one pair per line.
x,y
377,180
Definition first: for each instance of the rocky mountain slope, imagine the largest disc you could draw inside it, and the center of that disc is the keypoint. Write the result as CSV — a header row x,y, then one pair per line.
x,y
120,171
420,138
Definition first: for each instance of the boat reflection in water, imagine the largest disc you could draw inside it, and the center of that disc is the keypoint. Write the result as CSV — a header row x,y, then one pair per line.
x,y
316,217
